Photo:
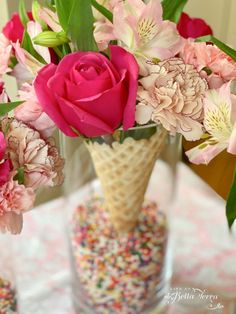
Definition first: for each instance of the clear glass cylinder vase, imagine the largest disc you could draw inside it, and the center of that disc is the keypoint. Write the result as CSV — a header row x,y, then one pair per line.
x,y
119,230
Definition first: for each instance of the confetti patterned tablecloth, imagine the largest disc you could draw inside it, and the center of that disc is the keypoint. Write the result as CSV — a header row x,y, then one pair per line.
x,y
204,252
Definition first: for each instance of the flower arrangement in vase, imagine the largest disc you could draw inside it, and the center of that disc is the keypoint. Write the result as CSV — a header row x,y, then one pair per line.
x,y
121,75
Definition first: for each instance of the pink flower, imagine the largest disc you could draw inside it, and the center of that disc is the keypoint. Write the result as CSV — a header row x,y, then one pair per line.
x,y
3,94
39,159
193,27
15,199
31,113
14,29
201,55
220,124
5,166
50,18
5,53
34,29
140,29
90,93
104,29
175,91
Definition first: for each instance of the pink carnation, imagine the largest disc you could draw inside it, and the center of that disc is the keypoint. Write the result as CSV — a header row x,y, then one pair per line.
x,y
15,199
39,158
31,113
202,56
172,94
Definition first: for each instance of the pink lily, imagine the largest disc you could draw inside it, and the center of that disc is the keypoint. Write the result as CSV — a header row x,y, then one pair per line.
x,y
34,29
140,29
220,124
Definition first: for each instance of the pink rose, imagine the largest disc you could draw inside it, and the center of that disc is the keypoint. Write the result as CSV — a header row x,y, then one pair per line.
x,y
89,92
193,27
14,29
5,166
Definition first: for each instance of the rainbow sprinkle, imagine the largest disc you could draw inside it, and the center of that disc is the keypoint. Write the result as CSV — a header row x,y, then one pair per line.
x,y
8,303
118,274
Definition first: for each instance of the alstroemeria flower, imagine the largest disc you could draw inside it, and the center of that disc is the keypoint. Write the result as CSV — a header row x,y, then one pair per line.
x,y
50,18
220,123
34,29
141,30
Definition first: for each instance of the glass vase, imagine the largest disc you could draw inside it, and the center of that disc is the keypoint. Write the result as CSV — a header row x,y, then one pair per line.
x,y
119,238
8,295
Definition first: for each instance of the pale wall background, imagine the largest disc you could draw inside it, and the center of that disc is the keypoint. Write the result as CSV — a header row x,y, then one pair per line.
x,y
220,14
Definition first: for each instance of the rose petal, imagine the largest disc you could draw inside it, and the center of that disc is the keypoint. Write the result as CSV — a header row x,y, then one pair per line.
x,y
47,100
124,60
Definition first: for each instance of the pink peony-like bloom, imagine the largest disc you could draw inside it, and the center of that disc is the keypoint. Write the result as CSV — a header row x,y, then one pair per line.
x,y
31,113
193,27
5,54
39,158
5,165
141,30
15,199
220,124
201,55
175,91
89,93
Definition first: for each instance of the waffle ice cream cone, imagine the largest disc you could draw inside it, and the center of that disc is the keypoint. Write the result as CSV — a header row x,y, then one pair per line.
x,y
124,170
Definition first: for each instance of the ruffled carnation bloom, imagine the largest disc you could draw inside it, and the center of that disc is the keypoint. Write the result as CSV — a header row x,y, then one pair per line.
x,y
15,199
31,113
172,94
5,54
222,67
39,158
220,124
140,29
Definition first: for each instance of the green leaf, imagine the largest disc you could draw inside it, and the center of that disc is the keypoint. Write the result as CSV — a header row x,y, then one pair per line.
x,y
81,26
23,13
7,107
102,10
28,46
138,133
64,8
20,176
228,50
172,9
231,203
35,9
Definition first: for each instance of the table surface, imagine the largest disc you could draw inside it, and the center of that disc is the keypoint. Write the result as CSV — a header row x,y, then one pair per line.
x,y
204,253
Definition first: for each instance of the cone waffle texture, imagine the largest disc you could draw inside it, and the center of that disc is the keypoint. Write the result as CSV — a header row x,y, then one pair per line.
x,y
124,170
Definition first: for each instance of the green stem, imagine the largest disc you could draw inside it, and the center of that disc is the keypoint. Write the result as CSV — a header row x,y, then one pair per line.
x,y
58,52
102,10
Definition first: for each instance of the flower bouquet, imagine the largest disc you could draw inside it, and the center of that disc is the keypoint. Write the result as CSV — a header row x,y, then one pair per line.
x,y
122,76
